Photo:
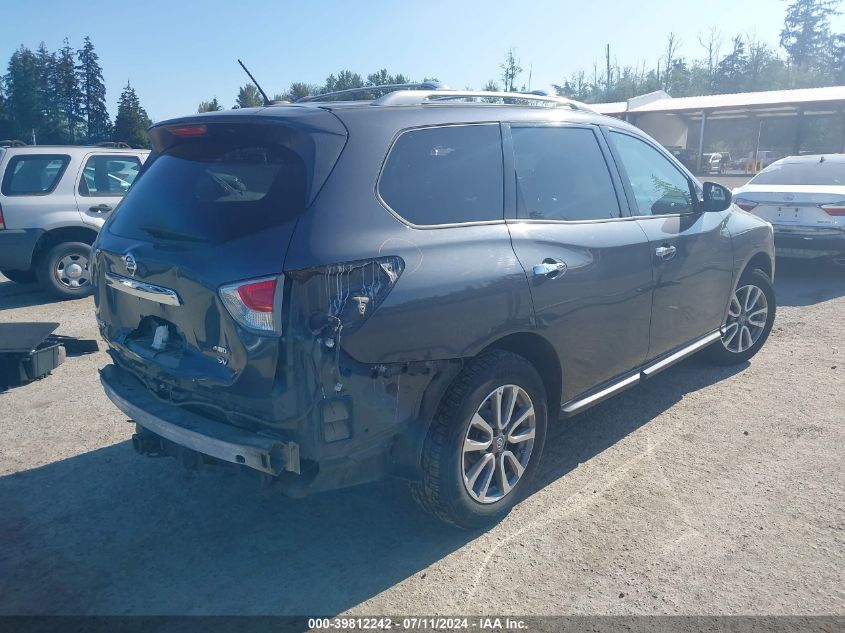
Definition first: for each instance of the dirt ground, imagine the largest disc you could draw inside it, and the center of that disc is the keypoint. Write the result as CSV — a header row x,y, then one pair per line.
x,y
703,491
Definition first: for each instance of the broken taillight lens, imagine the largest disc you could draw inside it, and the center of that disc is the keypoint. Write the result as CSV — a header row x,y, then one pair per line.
x,y
342,296
251,303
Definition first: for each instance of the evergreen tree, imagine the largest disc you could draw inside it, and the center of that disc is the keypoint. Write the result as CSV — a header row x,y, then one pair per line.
x,y
50,128
131,122
730,72
510,71
68,94
209,106
93,110
345,80
298,90
806,32
5,118
249,97
23,99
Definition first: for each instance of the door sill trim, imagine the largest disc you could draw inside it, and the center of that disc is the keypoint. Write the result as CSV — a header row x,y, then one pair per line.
x,y
576,406
692,348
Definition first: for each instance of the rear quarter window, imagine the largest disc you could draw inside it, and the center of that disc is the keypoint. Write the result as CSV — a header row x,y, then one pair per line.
x,y
33,174
445,175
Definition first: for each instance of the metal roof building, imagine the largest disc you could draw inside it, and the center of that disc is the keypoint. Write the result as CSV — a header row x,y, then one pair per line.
x,y
670,120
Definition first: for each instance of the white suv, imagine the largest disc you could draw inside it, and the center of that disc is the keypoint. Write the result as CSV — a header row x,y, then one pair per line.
x,y
53,201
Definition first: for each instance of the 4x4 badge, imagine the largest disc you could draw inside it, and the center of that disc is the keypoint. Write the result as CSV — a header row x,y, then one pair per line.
x,y
130,263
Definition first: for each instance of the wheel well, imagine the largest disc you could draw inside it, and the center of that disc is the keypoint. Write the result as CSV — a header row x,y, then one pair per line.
x,y
540,353
63,234
761,261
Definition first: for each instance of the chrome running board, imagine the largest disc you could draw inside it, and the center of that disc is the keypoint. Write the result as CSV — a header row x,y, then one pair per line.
x,y
576,406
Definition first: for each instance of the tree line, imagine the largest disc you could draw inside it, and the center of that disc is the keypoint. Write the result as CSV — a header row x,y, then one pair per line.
x,y
59,97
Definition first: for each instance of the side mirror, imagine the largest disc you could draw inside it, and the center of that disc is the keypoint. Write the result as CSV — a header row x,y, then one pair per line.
x,y
716,197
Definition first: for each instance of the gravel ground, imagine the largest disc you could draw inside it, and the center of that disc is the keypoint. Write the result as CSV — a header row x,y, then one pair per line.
x,y
703,491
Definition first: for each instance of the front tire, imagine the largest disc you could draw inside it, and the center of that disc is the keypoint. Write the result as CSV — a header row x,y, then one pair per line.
x,y
64,270
485,442
751,314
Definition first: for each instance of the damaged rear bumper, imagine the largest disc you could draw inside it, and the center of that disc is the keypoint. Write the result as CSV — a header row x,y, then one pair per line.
x,y
224,442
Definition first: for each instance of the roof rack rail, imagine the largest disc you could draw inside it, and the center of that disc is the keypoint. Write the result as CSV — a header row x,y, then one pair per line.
x,y
424,85
114,145
420,97
11,142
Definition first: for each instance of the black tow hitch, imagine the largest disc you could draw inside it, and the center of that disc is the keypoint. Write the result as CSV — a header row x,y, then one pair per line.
x,y
149,444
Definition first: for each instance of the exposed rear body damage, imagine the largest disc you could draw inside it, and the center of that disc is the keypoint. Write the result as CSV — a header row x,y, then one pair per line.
x,y
327,294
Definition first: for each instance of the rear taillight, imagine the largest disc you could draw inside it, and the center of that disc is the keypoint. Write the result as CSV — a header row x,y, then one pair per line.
x,y
2,221
837,209
251,303
745,205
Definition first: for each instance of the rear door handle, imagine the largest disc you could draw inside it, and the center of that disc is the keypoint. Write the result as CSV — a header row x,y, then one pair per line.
x,y
665,252
550,268
100,208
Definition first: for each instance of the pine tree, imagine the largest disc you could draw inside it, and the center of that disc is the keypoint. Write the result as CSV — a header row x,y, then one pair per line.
x,y
806,32
131,122
68,94
23,99
5,118
50,127
249,97
510,71
209,106
93,111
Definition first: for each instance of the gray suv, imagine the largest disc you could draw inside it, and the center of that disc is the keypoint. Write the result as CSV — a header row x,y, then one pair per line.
x,y
53,200
329,292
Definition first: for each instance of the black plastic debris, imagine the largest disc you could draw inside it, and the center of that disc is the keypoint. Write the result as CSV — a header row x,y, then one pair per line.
x,y
27,353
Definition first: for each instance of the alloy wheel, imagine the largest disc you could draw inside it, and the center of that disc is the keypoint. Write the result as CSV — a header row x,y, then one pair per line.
x,y
747,316
498,444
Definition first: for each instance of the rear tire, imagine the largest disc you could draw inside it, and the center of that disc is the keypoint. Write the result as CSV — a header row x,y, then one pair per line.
x,y
64,270
20,276
469,446
751,314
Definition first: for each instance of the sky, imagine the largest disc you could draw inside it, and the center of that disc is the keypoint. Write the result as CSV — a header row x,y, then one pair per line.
x,y
177,53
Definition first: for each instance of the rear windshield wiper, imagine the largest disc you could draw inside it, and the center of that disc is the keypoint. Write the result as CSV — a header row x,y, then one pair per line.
x,y
168,234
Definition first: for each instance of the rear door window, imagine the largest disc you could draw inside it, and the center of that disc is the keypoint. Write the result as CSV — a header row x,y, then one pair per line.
x,y
213,191
33,174
445,175
107,175
561,174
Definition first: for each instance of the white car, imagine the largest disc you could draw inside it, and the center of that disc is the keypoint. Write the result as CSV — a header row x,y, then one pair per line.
x,y
804,199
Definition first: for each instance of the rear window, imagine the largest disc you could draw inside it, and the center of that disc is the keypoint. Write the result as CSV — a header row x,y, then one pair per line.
x,y
213,191
33,174
806,173
445,175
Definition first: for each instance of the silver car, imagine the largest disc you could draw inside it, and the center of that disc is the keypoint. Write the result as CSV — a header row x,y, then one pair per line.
x,y
53,201
804,199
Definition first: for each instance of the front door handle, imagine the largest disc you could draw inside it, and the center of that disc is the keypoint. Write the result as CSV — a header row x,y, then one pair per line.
x,y
665,252
550,268
100,208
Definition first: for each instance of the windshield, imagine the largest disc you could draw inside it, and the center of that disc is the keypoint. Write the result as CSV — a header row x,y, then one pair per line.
x,y
827,173
213,191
